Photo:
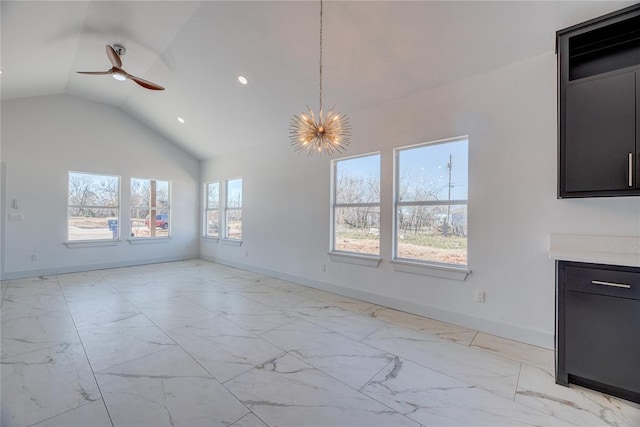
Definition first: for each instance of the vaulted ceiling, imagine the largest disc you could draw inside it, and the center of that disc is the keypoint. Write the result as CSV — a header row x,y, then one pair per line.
x,y
373,52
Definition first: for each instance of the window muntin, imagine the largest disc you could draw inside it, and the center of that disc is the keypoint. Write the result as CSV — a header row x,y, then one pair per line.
x,y
431,202
93,211
212,209
233,209
356,206
150,198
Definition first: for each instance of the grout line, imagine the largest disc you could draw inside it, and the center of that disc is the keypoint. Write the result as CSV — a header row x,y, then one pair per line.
x,y
62,413
515,392
473,339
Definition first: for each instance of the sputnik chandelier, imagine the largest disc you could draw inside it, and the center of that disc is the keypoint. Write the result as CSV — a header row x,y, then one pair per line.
x,y
327,133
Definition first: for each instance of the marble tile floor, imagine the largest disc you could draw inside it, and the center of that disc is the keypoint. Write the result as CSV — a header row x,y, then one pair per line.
x,y
195,343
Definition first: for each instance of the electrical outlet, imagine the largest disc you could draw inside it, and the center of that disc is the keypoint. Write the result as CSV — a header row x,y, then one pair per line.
x,y
16,217
480,295
35,257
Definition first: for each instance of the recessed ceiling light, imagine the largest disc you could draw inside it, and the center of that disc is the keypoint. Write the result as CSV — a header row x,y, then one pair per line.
x,y
243,80
180,119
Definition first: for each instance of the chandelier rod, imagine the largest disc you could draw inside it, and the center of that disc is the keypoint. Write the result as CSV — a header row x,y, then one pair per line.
x,y
320,58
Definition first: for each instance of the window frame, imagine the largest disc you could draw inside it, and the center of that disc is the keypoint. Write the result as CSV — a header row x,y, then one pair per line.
x,y
151,208
227,209
103,240
418,266
207,209
350,256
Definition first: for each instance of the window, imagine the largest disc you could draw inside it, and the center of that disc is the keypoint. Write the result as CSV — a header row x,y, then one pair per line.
x,y
356,205
94,206
431,191
150,199
212,209
233,209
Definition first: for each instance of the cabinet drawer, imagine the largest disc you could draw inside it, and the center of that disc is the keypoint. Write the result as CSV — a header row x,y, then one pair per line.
x,y
602,281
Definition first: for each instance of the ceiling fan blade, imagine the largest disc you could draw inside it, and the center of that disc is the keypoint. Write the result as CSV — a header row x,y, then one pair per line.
x,y
95,72
114,58
145,83
121,74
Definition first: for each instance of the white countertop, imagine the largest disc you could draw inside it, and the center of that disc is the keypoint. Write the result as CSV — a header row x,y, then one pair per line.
x,y
615,250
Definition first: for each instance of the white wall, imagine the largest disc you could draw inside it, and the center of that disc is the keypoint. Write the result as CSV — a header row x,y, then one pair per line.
x,y
510,117
45,137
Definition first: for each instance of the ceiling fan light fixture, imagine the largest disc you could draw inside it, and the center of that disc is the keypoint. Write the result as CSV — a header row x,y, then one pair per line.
x,y
119,77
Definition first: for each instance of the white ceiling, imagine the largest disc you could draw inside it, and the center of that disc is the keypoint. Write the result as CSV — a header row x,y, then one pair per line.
x,y
373,52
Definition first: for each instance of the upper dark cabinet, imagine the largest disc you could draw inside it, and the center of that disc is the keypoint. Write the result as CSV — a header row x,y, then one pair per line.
x,y
599,106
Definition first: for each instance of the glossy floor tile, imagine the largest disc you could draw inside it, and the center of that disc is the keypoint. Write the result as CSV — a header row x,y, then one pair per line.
x,y
195,344
167,388
432,398
286,391
490,372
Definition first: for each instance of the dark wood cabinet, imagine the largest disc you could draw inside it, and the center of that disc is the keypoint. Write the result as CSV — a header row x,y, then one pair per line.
x,y
598,328
599,106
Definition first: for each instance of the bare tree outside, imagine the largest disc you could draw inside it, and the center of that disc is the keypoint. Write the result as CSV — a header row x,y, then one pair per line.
x,y
82,192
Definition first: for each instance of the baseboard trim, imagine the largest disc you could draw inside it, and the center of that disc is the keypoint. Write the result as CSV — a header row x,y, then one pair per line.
x,y
503,329
80,268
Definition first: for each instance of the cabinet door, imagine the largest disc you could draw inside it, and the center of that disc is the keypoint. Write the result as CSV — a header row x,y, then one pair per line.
x,y
602,342
600,127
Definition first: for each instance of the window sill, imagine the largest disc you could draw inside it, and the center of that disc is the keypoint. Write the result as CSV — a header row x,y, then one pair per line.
x,y
434,270
148,240
349,258
73,244
232,242
210,239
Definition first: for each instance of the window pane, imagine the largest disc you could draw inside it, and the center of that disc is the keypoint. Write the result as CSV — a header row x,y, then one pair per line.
x,y
140,192
93,224
234,224
93,190
162,195
141,226
434,172
234,193
213,195
358,180
213,223
357,230
432,233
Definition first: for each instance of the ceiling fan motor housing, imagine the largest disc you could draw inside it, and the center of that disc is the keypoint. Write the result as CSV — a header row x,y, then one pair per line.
x,y
120,50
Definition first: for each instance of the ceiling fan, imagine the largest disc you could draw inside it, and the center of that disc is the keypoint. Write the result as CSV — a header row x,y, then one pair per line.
x,y
118,73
